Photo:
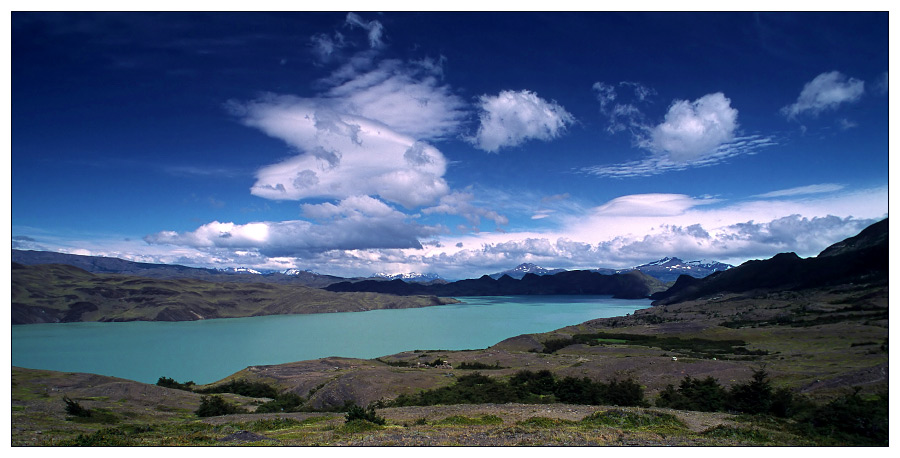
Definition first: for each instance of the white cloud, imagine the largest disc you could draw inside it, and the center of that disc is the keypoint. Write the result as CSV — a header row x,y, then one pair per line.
x,y
825,92
693,134
362,137
650,205
802,190
373,27
357,223
512,118
460,203
659,164
325,46
693,130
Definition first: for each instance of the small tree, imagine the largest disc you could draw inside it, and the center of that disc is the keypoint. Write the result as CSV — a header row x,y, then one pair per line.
x,y
213,406
74,409
355,412
753,397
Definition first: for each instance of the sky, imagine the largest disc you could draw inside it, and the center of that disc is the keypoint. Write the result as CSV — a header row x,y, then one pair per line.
x,y
462,144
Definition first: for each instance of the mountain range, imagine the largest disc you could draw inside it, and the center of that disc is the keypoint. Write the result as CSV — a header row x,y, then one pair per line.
x,y
525,268
667,269
105,265
412,277
856,260
631,285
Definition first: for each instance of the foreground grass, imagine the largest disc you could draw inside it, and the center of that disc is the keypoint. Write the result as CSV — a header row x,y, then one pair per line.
x,y
605,426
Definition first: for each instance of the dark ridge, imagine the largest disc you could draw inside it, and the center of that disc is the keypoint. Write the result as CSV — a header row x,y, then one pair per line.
x,y
859,259
631,285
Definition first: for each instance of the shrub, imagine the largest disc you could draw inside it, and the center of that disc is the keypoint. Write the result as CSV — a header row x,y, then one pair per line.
x,y
243,388
753,397
627,392
171,383
551,345
694,394
528,387
285,402
475,365
850,419
213,406
355,412
75,409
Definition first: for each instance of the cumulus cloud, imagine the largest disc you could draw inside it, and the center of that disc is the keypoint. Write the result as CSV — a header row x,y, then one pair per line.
x,y
825,92
692,130
698,133
356,223
365,136
514,117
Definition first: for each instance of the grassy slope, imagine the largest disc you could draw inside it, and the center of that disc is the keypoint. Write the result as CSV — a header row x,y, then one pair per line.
x,y
54,292
819,342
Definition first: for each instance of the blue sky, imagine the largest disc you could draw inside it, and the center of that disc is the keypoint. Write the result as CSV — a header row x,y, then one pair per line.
x,y
455,143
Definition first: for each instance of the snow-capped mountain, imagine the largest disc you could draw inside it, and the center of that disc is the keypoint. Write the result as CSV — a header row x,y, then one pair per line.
x,y
295,272
409,277
526,268
239,270
669,269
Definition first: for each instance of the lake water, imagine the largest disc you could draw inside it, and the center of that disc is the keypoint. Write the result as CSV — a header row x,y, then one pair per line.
x,y
209,350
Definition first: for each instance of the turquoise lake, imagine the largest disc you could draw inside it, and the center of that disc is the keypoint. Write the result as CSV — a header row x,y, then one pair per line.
x,y
209,350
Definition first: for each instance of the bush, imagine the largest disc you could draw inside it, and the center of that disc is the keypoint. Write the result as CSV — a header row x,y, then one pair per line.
x,y
475,365
243,388
551,345
171,383
851,420
75,409
694,394
213,406
285,402
355,412
625,393
753,397
528,387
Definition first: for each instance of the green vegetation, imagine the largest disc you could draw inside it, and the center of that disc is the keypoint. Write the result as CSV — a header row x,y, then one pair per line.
x,y
75,409
695,347
171,383
528,387
357,414
849,419
213,406
754,397
283,402
243,388
475,365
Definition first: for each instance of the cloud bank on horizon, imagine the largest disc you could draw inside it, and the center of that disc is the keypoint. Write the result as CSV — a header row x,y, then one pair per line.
x,y
395,160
